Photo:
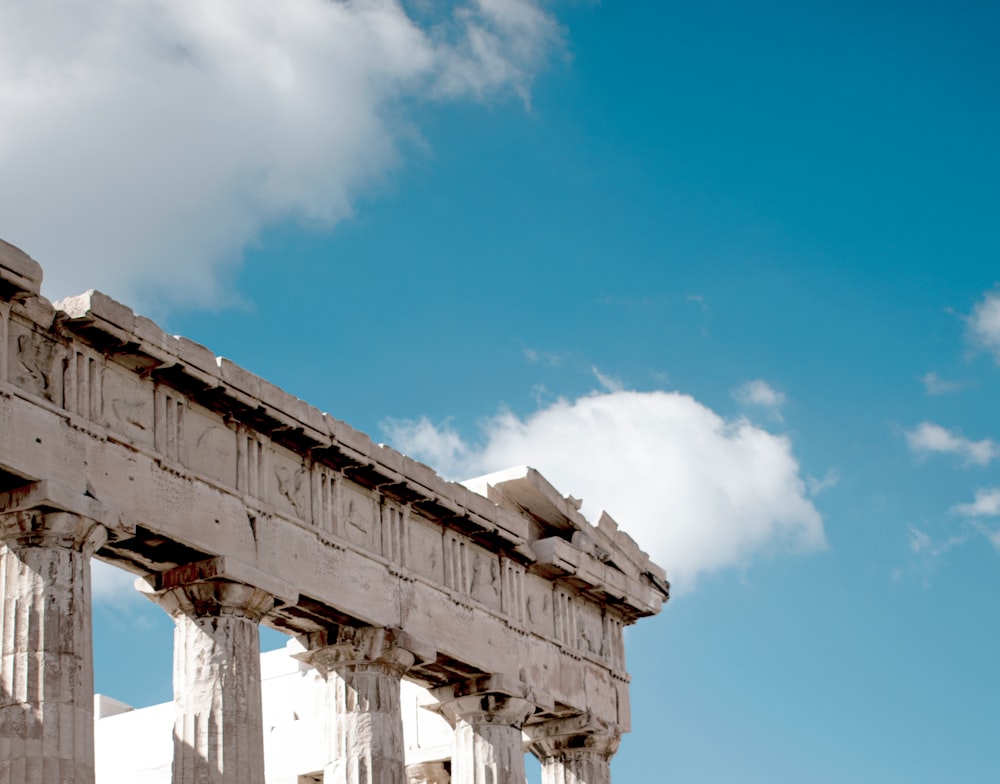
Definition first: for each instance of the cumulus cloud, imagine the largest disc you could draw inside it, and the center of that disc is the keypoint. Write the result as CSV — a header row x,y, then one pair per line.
x,y
984,324
928,438
145,145
699,492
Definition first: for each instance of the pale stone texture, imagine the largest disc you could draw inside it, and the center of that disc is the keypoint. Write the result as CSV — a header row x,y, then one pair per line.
x,y
427,773
218,730
192,458
488,746
363,668
47,666
575,751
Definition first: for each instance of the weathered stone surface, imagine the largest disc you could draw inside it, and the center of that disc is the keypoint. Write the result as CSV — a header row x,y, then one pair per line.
x,y
427,773
218,732
46,659
216,480
20,275
363,668
488,714
488,747
575,751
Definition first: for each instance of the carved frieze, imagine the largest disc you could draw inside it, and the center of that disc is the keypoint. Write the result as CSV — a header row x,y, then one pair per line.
x,y
168,423
590,628
395,532
426,549
565,615
360,517
288,480
252,458
614,641
82,384
125,407
209,446
456,563
538,605
325,488
512,590
484,576
37,363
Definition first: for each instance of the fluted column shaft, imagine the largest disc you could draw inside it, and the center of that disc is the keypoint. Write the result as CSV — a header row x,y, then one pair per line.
x,y
488,745
47,664
577,767
575,751
363,668
218,728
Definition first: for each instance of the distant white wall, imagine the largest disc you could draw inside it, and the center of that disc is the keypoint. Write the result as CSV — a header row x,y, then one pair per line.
x,y
136,746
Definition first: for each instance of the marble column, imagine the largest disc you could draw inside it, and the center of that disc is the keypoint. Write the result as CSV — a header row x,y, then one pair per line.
x,y
427,773
47,664
488,745
575,750
218,726
363,668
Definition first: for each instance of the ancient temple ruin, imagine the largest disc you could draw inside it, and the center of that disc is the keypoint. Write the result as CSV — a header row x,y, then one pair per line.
x,y
235,504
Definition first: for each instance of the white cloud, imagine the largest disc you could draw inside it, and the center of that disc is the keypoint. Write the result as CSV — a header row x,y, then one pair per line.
x,y
935,385
761,394
984,323
986,504
111,585
928,438
830,479
145,145
608,383
701,493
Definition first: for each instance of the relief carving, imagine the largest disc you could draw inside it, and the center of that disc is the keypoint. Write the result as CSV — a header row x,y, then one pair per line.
x,y
290,485
358,522
129,412
36,365
485,580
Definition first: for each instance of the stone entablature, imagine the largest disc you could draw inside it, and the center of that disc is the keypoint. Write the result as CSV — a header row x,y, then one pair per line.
x,y
194,466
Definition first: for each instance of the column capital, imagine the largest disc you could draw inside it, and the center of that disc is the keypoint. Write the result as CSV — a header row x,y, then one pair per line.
x,y
583,735
51,528
345,647
216,587
492,699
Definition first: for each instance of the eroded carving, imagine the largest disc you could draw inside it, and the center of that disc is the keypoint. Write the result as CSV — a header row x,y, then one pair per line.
x,y
37,360
485,578
359,518
291,485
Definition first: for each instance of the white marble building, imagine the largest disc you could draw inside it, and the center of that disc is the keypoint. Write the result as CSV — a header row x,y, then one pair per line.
x,y
235,505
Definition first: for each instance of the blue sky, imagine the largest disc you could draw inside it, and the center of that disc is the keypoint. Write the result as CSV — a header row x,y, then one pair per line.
x,y
729,272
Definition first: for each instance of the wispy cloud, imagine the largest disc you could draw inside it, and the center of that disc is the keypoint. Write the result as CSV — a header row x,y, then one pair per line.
x,y
161,138
985,504
929,438
547,358
816,486
935,385
921,543
700,492
608,383
984,323
760,394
